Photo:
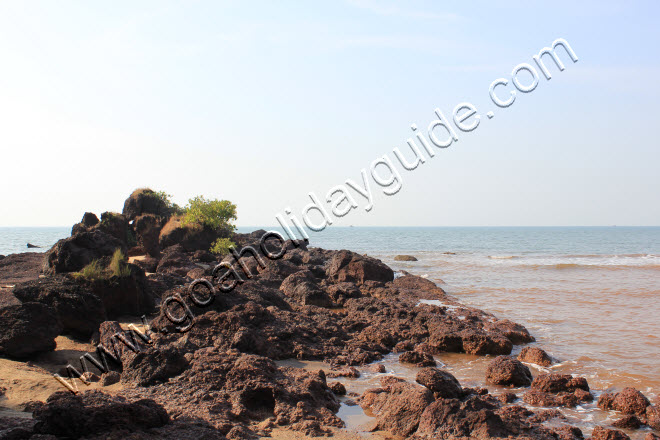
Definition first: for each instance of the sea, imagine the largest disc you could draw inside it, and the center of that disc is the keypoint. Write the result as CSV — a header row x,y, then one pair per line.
x,y
589,295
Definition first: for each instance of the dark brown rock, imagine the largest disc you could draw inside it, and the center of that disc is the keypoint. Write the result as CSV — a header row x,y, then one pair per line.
x,y
442,383
27,328
94,412
628,422
534,355
417,358
147,231
74,253
110,378
302,287
555,383
507,397
153,365
505,370
352,267
19,268
600,433
145,201
569,433
628,401
338,388
78,310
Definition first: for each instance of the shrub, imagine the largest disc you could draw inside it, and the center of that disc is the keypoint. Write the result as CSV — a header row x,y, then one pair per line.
x,y
93,271
222,246
118,266
167,201
214,214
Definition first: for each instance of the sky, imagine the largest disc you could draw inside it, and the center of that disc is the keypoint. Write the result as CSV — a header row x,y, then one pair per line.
x,y
262,103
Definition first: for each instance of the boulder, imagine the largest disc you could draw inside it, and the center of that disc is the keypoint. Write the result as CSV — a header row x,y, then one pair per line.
x,y
515,332
534,355
27,328
628,422
111,223
110,378
442,383
338,388
404,258
126,295
398,407
628,401
191,237
74,253
564,398
555,383
145,201
349,266
147,231
600,433
303,288
94,412
153,365
653,417
504,370
79,311
417,358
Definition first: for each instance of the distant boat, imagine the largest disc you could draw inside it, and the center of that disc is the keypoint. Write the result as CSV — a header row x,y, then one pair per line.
x,y
32,246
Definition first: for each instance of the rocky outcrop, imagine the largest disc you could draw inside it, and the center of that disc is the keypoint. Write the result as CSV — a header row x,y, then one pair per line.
x,y
147,232
441,383
18,268
534,355
504,370
78,310
153,365
111,223
27,328
127,295
94,412
352,267
74,253
191,237
303,288
145,201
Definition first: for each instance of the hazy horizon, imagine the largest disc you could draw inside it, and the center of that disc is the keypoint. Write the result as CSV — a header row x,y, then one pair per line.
x,y
262,103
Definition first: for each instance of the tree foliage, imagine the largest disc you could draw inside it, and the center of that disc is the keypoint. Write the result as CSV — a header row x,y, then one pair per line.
x,y
214,214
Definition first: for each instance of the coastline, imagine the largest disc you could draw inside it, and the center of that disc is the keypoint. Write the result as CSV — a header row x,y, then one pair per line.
x,y
343,283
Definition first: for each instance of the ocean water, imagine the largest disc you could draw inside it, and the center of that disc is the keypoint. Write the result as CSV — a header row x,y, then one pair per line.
x,y
590,295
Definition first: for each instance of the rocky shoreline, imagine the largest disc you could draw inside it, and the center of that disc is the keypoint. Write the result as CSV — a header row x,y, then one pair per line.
x,y
223,379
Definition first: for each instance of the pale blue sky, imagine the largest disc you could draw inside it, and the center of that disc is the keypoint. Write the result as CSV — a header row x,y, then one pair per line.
x,y
263,102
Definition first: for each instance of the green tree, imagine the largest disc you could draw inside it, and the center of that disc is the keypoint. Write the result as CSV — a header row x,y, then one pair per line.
x,y
214,214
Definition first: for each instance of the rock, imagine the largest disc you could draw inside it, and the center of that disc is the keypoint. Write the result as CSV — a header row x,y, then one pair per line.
x,y
338,388
147,230
628,422
153,365
534,355
442,384
600,433
302,287
123,295
651,436
110,337
79,311
110,378
377,368
148,264
569,433
507,397
516,333
18,268
451,418
351,372
628,401
191,237
417,358
404,258
145,201
352,267
565,398
27,328
94,412
204,256
653,417
399,407
74,253
555,383
504,370
32,246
